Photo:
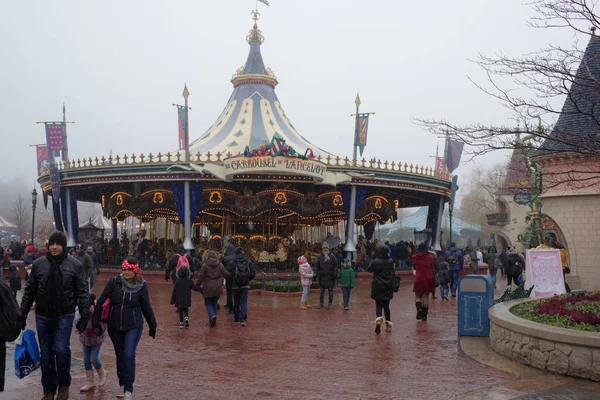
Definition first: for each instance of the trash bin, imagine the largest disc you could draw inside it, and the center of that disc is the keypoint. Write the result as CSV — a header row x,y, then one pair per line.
x,y
475,297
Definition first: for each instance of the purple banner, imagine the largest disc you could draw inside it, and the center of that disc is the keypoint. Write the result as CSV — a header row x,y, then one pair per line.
x,y
455,149
182,123
55,139
55,182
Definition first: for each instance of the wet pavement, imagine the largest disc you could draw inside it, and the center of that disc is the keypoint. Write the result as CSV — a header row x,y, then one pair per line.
x,y
286,353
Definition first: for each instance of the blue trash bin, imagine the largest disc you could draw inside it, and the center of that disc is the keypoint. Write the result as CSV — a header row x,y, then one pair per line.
x,y
475,297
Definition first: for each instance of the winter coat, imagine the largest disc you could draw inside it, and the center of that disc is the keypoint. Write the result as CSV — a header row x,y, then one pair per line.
x,y
515,265
88,337
382,267
231,266
444,274
346,277
74,284
87,264
423,263
15,279
182,289
211,277
306,274
126,308
327,270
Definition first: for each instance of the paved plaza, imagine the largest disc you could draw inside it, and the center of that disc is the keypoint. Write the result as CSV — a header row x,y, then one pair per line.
x,y
286,353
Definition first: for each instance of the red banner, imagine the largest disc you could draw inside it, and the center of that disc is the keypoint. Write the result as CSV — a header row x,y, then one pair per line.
x,y
42,159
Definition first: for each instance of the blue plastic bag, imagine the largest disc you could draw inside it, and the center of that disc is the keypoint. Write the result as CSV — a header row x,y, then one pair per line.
x,y
27,354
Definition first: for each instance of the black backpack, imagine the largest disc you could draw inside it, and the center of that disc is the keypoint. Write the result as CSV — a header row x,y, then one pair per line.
x,y
452,258
242,273
10,314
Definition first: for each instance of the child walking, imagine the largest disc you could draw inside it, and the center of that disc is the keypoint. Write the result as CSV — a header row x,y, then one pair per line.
x,y
91,349
306,274
182,295
445,279
346,281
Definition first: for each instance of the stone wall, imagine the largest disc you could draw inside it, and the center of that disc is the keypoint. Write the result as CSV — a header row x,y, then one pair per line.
x,y
557,350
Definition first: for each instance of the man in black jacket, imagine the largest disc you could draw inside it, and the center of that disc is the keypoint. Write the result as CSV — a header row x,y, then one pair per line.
x,y
56,284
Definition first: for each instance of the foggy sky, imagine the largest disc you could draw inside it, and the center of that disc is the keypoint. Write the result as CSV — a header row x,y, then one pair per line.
x,y
119,65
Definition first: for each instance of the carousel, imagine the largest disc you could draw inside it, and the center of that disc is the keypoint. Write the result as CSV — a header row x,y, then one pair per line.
x,y
250,179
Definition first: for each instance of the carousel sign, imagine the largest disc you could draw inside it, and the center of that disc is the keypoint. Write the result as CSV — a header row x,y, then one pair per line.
x,y
274,165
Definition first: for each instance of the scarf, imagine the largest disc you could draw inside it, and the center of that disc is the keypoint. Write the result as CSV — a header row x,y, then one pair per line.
x,y
54,284
130,287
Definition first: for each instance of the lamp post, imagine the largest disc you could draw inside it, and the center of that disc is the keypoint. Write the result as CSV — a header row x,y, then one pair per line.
x,y
33,204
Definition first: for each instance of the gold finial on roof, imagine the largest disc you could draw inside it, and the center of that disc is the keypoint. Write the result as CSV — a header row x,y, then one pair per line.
x,y
255,36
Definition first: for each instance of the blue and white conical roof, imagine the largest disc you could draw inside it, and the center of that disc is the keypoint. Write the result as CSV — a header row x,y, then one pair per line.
x,y
253,114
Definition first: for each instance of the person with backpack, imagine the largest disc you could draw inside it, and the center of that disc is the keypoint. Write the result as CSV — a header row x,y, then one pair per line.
x,y
515,268
445,279
177,260
10,325
228,256
211,280
242,271
453,257
382,287
182,295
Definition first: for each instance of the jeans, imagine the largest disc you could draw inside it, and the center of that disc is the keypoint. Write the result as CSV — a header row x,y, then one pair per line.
x,y
211,306
183,312
90,357
455,274
93,278
322,294
305,291
125,344
55,336
229,289
385,305
444,289
240,304
493,273
346,293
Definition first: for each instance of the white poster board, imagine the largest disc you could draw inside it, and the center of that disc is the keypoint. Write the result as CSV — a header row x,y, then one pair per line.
x,y
544,270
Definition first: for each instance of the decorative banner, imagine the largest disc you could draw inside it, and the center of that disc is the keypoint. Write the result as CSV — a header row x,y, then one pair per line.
x,y
439,167
182,120
55,182
264,2
544,270
361,134
42,159
455,149
276,146
274,165
55,138
522,198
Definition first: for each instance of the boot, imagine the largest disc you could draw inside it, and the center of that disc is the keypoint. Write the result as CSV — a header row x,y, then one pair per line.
x,y
303,306
419,310
388,326
48,396
378,322
63,393
307,304
101,377
89,384
425,311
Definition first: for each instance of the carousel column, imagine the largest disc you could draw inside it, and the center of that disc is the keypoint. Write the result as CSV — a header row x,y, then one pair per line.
x,y
70,236
436,212
350,247
187,223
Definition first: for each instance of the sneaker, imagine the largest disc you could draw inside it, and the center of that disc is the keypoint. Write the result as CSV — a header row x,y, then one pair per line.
x,y
329,305
229,312
213,321
345,308
236,321
128,396
453,295
121,393
186,322
243,323
181,325
320,306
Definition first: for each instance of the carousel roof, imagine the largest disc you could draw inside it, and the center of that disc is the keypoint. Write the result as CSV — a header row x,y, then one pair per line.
x,y
253,115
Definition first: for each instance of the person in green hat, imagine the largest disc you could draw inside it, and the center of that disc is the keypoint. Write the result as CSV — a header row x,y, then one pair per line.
x,y
346,281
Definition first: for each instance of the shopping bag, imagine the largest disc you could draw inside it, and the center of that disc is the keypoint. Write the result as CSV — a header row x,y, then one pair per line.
x,y
27,354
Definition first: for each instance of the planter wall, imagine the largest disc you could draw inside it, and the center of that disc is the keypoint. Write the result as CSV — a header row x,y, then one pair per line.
x,y
549,348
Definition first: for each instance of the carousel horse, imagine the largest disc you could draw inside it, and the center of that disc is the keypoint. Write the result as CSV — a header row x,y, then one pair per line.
x,y
264,256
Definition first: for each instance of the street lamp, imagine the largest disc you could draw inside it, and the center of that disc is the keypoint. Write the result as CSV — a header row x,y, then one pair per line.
x,y
33,204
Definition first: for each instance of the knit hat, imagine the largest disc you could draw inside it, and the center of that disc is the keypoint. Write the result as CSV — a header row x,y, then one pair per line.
x,y
301,260
346,261
325,245
59,238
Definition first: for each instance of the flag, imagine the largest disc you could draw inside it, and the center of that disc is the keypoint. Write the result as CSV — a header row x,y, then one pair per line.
x,y
182,119
453,154
361,134
42,159
55,182
55,133
265,2
276,146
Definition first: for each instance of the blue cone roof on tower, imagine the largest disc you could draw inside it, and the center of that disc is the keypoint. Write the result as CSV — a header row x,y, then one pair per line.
x,y
578,125
253,114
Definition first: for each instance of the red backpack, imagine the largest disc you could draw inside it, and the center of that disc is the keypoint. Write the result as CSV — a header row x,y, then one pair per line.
x,y
182,262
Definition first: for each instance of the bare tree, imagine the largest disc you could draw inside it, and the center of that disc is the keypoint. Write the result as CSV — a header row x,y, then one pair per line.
x,y
21,216
531,86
